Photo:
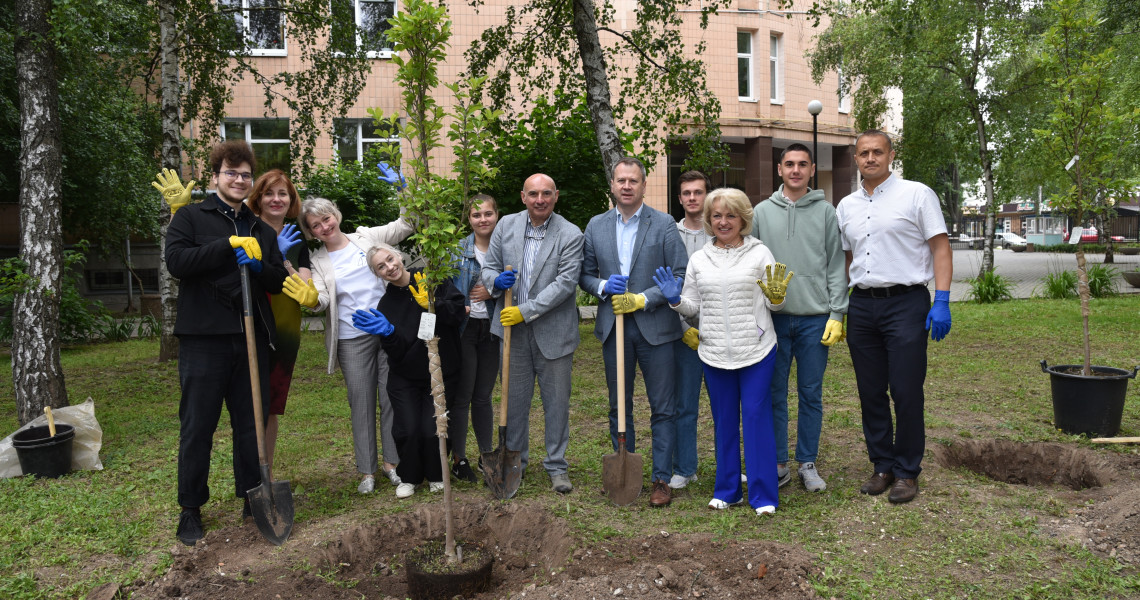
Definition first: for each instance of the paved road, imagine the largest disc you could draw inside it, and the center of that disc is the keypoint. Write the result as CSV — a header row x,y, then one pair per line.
x,y
1026,269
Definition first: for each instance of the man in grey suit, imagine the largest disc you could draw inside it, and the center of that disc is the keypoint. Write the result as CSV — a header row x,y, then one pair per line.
x,y
544,251
624,247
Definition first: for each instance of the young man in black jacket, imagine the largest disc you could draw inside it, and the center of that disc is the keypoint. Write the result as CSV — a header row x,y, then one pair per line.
x,y
205,245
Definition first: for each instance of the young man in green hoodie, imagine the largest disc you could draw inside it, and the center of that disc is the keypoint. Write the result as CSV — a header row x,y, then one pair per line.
x,y
799,225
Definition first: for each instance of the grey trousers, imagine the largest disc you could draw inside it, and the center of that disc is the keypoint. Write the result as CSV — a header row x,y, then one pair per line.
x,y
527,365
365,368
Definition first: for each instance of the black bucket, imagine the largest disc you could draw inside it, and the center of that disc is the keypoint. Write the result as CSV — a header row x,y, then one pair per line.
x,y
1091,405
41,454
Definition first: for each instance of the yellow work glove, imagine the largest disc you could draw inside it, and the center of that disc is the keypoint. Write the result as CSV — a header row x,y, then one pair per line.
x,y
168,184
419,292
692,337
304,293
832,332
511,315
777,286
627,303
249,244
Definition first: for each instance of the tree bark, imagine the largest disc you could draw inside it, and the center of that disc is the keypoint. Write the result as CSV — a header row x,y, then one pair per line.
x,y
171,159
585,26
988,179
36,371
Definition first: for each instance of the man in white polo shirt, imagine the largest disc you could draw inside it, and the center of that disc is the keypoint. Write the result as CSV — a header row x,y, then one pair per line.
x,y
895,239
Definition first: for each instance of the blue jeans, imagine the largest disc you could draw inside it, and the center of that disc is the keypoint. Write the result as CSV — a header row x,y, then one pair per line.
x,y
656,362
798,337
688,372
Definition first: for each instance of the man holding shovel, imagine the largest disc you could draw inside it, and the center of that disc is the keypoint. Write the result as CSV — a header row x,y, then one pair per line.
x,y
206,244
624,246
545,253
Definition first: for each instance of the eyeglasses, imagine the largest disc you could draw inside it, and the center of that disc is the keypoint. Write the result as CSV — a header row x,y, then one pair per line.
x,y
236,175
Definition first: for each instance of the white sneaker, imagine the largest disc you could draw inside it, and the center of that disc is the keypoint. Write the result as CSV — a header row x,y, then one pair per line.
x,y
405,490
743,478
783,475
435,486
679,481
366,485
766,510
812,481
718,504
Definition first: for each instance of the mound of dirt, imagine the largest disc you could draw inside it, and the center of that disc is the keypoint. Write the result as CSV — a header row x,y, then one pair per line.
x,y
532,550
1027,464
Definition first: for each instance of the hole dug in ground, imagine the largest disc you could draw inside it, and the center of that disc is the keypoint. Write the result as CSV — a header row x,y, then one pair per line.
x,y
1034,464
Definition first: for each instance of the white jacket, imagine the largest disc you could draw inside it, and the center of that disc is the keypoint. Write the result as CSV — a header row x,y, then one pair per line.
x,y
720,288
324,274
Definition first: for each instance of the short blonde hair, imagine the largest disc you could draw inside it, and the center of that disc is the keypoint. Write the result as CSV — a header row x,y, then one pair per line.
x,y
381,247
735,202
316,207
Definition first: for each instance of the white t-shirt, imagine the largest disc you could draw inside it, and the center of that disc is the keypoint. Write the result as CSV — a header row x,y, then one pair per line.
x,y
357,287
479,309
887,232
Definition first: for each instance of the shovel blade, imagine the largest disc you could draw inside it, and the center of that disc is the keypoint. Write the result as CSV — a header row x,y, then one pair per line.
x,y
621,475
272,507
502,469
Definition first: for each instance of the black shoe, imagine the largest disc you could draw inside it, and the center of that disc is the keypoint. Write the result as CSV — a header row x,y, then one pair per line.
x,y
246,511
190,526
462,470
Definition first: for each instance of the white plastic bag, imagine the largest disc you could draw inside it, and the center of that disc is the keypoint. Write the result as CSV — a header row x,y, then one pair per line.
x,y
84,449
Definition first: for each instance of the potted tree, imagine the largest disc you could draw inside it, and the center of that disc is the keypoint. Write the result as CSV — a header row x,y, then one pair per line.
x,y
1084,131
435,204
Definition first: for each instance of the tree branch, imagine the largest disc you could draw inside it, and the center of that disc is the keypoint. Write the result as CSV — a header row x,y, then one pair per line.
x,y
633,45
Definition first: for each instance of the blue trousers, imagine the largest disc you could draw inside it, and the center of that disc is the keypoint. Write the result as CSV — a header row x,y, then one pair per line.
x,y
736,393
656,361
887,338
688,372
799,338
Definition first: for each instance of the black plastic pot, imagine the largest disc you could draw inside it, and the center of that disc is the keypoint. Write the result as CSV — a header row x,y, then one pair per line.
x,y
41,454
1091,405
474,576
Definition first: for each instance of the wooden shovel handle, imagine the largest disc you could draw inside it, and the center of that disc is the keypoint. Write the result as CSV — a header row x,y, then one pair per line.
x,y
619,325
50,419
506,361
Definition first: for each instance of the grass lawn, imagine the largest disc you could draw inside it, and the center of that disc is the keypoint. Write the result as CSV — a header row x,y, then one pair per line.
x,y
965,536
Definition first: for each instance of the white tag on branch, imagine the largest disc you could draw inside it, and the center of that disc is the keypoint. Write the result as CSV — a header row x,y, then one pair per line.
x,y
427,327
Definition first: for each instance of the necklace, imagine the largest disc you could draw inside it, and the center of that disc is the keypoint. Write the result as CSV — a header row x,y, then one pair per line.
x,y
730,246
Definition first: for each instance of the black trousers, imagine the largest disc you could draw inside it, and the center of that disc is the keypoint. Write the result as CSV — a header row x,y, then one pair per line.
x,y
413,428
214,370
887,338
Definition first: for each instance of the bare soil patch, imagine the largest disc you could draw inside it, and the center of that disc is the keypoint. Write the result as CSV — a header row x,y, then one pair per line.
x,y
536,556
1028,464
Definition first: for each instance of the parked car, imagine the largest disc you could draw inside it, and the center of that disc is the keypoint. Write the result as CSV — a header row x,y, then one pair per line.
x,y
1009,239
970,241
1089,236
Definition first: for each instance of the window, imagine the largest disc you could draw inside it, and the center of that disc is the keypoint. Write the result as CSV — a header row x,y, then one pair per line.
x,y
775,69
844,94
371,19
258,24
269,139
355,136
744,65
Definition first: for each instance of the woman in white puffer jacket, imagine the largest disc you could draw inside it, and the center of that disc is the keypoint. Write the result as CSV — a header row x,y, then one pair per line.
x,y
730,283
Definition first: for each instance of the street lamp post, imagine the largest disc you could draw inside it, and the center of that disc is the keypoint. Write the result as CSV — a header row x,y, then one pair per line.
x,y
815,107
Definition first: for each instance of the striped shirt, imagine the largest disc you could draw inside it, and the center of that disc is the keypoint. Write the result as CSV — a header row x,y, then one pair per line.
x,y
534,236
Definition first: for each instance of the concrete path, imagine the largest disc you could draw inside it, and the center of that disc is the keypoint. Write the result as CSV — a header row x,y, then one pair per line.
x,y
1026,269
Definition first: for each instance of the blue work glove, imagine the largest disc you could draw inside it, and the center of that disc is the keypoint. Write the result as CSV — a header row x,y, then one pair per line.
x,y
938,319
288,238
505,280
243,259
391,175
372,321
670,286
616,284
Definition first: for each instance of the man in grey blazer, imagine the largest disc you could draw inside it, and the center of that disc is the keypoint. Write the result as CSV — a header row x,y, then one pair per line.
x,y
624,247
544,251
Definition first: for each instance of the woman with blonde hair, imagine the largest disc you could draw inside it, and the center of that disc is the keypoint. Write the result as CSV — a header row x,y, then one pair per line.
x,y
732,284
342,283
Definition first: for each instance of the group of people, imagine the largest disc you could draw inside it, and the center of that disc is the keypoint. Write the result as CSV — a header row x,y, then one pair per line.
x,y
729,294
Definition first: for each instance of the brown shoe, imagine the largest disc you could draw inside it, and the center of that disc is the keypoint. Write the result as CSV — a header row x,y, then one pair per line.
x,y
904,490
661,495
877,484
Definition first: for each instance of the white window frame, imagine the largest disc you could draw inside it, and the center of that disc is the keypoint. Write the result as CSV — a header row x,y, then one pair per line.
x,y
776,68
356,11
247,135
245,13
361,138
751,97
844,98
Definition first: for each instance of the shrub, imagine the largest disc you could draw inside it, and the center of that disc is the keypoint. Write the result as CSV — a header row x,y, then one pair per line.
x,y
990,287
356,189
1059,285
79,319
1102,282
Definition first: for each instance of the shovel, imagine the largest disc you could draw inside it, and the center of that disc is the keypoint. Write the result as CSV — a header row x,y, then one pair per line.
x,y
50,419
272,501
502,468
621,471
